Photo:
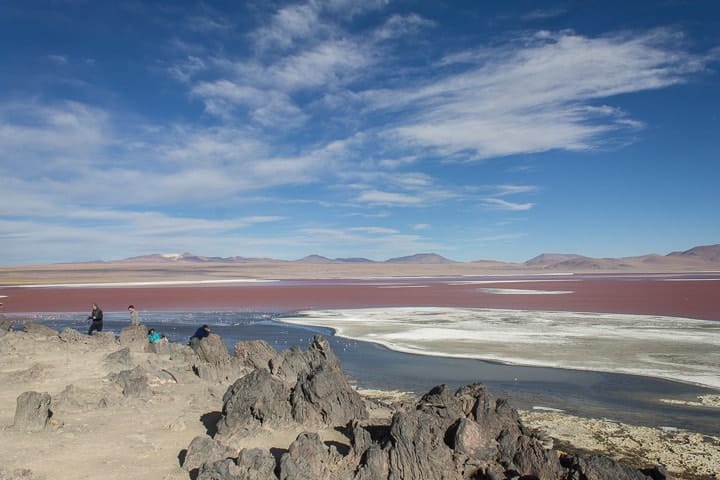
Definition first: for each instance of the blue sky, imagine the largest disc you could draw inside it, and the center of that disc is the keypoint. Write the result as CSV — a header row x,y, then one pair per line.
x,y
349,128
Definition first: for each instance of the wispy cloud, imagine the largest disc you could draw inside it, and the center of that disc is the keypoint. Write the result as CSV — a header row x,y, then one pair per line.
x,y
500,204
534,97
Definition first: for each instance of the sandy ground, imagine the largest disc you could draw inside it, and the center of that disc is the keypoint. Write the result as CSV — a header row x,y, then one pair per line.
x,y
96,432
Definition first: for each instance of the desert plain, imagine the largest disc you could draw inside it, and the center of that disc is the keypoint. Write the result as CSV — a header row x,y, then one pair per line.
x,y
143,437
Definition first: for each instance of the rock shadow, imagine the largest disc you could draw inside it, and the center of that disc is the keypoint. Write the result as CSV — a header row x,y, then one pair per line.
x,y
277,454
209,421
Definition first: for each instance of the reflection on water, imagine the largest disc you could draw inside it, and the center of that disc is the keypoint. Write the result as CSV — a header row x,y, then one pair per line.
x,y
625,398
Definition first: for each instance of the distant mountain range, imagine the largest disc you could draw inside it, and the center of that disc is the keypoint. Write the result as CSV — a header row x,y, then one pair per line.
x,y
706,256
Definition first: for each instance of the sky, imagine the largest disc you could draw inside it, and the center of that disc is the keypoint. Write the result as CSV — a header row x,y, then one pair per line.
x,y
357,128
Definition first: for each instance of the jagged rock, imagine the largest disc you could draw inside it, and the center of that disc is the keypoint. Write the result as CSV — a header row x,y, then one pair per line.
x,y
251,464
212,349
293,362
32,411
599,467
134,337
320,395
308,458
203,449
418,449
134,383
253,401
120,357
532,460
40,330
254,353
472,441
324,396
374,465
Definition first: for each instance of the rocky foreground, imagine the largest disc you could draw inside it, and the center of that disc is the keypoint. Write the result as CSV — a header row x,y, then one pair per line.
x,y
74,406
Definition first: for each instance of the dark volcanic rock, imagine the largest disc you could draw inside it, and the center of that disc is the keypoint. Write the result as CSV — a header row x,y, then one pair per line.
x,y
254,353
211,349
310,459
307,388
203,449
463,435
252,464
599,467
32,411
253,401
418,449
134,383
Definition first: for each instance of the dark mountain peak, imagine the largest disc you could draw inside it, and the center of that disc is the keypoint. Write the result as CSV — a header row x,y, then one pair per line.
x,y
710,253
553,258
314,259
421,258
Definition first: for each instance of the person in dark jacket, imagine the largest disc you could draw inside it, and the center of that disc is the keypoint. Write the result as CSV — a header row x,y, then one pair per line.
x,y
97,319
199,334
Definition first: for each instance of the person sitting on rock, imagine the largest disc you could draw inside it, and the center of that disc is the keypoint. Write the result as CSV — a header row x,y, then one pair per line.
x,y
163,339
97,319
153,337
199,334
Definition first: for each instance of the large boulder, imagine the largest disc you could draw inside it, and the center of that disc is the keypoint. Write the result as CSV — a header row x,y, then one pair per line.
x,y
308,458
600,467
134,383
254,401
252,464
254,353
318,395
32,411
212,349
203,449
134,337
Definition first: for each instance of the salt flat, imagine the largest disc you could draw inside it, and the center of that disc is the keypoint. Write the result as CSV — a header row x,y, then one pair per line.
x,y
680,349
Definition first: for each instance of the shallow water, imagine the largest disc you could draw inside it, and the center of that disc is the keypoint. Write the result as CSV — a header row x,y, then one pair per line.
x,y
625,398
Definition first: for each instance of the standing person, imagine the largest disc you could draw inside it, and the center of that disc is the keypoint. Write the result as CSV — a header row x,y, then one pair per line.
x,y
134,317
97,319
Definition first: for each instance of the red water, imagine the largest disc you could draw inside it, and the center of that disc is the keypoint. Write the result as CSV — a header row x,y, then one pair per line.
x,y
693,298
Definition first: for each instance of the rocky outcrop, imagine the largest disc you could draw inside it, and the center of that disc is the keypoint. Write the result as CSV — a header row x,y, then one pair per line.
x,y
301,388
134,383
70,335
33,411
461,435
134,337
40,330
203,449
254,353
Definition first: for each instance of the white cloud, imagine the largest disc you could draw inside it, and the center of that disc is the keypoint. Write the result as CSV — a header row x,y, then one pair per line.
x,y
500,204
59,59
534,98
376,197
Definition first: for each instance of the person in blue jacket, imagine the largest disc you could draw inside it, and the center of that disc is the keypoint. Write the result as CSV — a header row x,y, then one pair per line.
x,y
199,334
153,336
